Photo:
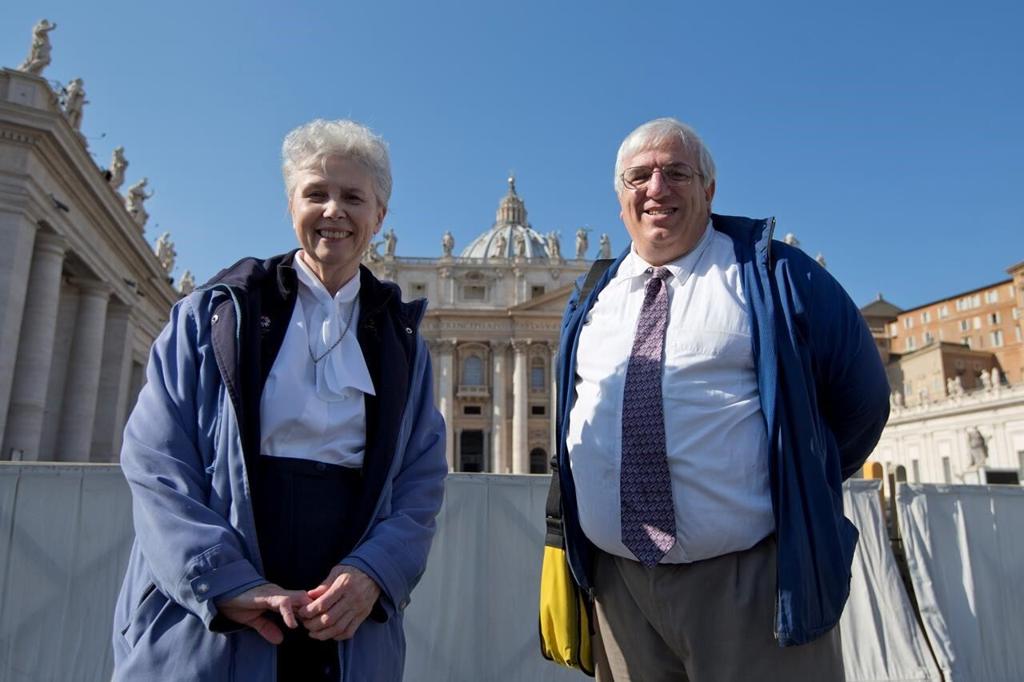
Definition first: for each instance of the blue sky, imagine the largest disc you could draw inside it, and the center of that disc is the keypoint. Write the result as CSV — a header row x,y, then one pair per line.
x,y
886,135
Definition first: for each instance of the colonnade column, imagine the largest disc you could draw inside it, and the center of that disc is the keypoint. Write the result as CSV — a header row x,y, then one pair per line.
x,y
520,435
17,234
79,407
35,349
446,395
115,375
499,407
553,399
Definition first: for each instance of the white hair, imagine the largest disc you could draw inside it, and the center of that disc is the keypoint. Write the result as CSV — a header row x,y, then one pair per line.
x,y
310,145
656,133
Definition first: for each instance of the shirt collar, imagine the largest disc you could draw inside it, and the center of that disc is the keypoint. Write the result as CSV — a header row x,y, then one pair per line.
x,y
635,266
346,294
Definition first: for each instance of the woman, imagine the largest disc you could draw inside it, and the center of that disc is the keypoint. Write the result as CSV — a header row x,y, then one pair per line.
x,y
285,458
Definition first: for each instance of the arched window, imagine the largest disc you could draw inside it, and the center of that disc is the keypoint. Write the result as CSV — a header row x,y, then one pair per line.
x,y
473,371
538,461
537,374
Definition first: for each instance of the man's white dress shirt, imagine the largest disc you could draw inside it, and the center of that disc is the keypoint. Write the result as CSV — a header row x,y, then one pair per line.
x,y
714,429
316,410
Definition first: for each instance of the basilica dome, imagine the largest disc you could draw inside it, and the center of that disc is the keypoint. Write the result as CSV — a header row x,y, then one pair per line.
x,y
509,228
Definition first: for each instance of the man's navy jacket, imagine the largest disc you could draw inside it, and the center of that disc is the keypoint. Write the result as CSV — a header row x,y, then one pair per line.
x,y
825,400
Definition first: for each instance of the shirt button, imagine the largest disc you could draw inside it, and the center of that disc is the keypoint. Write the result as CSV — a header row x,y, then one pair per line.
x,y
320,466
202,588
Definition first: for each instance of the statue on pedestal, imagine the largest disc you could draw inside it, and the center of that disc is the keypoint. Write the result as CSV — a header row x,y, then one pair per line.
x,y
187,283
165,252
39,53
118,165
791,239
390,243
554,246
74,102
372,255
820,260
986,380
447,244
582,242
977,449
604,247
134,201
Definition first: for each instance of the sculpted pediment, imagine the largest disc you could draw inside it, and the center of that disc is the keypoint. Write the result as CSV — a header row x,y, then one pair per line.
x,y
551,301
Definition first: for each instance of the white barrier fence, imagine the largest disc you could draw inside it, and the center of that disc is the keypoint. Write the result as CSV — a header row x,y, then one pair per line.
x,y
65,531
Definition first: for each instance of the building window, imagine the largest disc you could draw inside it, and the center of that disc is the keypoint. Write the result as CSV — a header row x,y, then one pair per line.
x,y
536,290
915,466
944,311
992,296
419,289
537,411
908,322
473,371
964,325
977,322
472,409
967,342
538,461
994,318
471,451
1020,462
947,473
537,374
474,292
911,343
926,317
894,330
1016,332
928,338
1015,312
996,338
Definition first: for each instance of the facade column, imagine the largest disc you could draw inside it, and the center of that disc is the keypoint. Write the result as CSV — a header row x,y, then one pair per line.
x,y
17,234
35,350
115,374
80,393
553,400
520,389
499,408
446,396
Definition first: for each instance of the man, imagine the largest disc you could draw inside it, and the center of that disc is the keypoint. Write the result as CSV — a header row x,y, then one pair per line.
x,y
716,387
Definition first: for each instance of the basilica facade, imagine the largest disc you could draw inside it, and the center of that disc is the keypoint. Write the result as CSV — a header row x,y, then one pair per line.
x,y
492,326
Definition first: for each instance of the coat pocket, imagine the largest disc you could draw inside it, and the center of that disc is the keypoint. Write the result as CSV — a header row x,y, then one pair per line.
x,y
152,602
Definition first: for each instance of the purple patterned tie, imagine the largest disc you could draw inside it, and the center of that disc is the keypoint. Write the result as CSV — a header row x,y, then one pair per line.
x,y
648,515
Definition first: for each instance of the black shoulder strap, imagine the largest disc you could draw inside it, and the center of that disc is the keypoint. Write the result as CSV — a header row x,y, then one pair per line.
x,y
597,270
553,509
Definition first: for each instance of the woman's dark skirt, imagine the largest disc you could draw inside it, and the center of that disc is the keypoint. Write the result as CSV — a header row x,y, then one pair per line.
x,y
303,515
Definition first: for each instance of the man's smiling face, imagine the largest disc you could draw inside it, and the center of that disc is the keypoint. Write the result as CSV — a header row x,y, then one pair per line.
x,y
665,220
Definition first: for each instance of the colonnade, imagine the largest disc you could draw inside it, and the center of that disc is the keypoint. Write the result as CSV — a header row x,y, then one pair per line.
x,y
66,400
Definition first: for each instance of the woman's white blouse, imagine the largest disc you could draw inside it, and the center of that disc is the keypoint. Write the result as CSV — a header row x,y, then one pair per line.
x,y
316,410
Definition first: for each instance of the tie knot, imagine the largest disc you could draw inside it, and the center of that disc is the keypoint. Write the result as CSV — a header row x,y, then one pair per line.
x,y
659,272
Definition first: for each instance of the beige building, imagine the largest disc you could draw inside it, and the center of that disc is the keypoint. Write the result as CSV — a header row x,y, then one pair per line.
x,y
82,293
493,326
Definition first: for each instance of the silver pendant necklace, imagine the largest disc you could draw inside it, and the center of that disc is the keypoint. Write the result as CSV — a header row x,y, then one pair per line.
x,y
348,323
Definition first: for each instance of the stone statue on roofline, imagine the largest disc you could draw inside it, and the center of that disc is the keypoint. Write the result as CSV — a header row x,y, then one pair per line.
x,y
554,246
390,243
447,243
74,102
186,283
582,242
39,53
165,252
118,165
604,247
134,202
791,239
372,255
977,448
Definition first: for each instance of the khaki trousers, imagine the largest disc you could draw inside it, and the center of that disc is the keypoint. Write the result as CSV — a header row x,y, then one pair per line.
x,y
709,621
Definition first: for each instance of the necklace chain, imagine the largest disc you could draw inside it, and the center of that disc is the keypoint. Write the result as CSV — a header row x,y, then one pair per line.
x,y
348,323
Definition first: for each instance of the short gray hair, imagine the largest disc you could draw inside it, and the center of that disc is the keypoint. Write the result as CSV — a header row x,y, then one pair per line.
x,y
311,144
655,133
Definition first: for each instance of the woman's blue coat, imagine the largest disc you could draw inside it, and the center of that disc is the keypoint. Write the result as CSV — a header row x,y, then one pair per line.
x,y
186,451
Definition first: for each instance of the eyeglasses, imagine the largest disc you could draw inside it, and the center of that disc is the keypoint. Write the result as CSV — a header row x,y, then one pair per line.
x,y
679,174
